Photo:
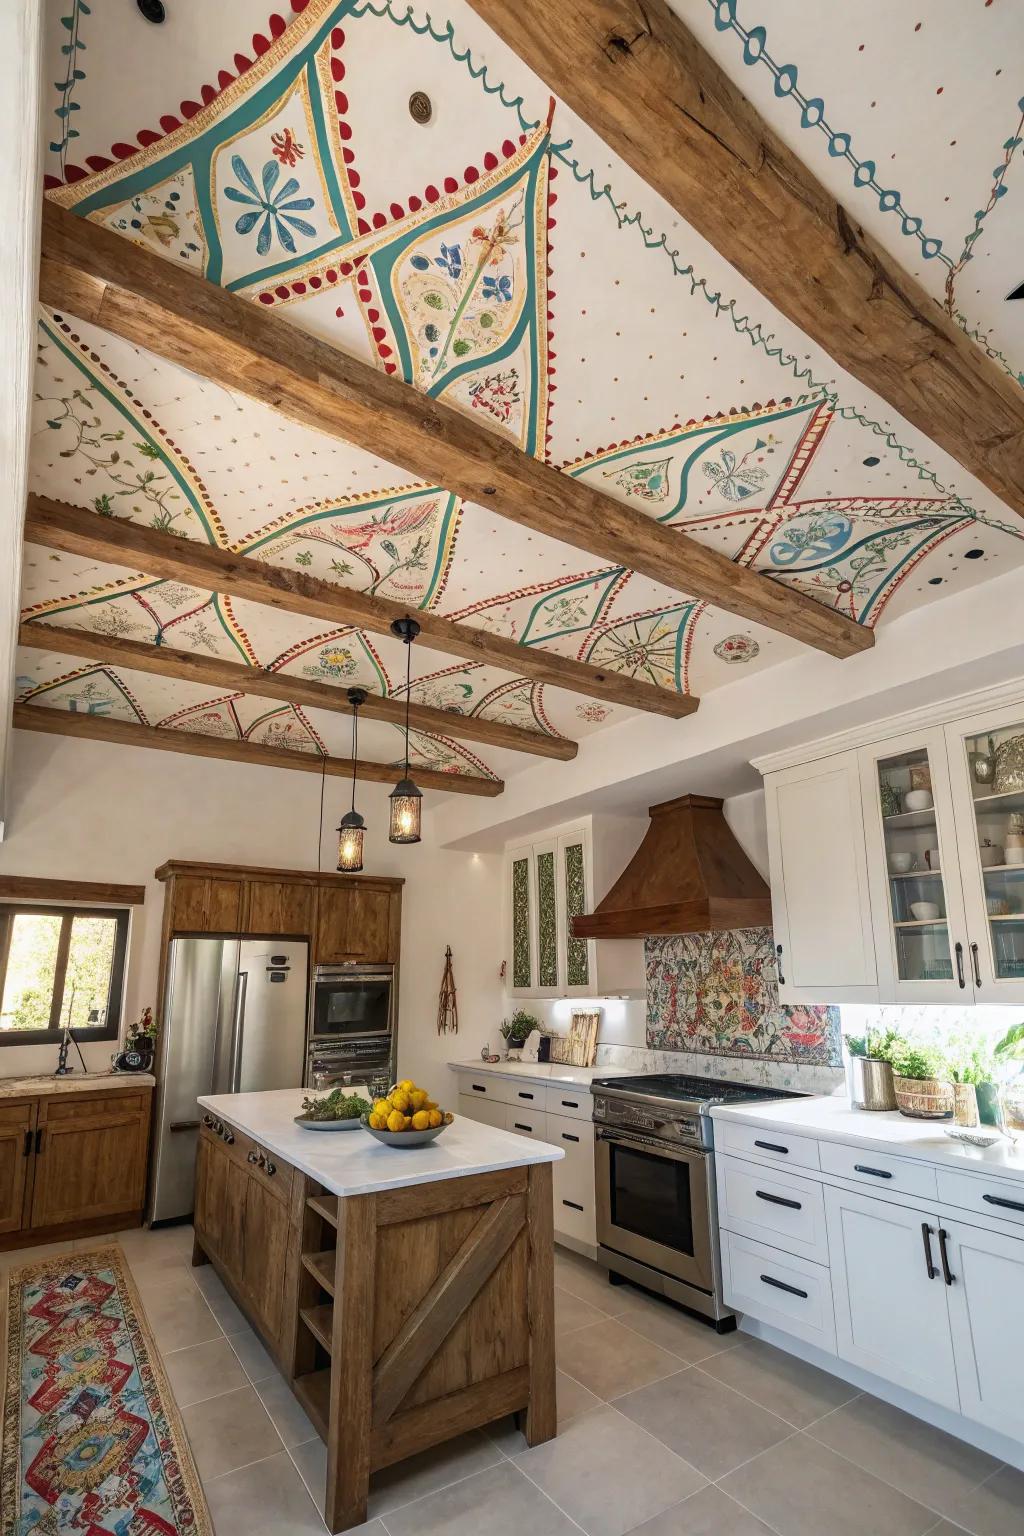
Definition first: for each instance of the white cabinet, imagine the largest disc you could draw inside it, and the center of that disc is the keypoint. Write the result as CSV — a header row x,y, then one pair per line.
x,y
890,1295
820,907
988,1339
487,1111
897,859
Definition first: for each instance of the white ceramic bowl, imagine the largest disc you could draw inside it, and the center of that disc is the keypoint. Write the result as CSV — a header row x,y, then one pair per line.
x,y
1014,855
918,800
900,863
924,911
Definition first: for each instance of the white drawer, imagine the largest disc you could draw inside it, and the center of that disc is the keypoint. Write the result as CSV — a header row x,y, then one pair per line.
x,y
575,1223
564,1099
779,1289
773,1146
1002,1199
877,1171
772,1206
573,1175
487,1112
479,1085
527,1122
530,1096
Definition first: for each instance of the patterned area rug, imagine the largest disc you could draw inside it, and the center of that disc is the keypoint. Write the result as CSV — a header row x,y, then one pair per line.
x,y
92,1438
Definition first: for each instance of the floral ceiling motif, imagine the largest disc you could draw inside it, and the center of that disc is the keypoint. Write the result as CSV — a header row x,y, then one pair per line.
x,y
487,260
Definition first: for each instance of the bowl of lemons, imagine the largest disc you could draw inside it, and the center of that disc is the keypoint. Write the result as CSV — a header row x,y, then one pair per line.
x,y
408,1117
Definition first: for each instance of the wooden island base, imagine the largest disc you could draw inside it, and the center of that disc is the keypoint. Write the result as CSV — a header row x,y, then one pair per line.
x,y
401,1318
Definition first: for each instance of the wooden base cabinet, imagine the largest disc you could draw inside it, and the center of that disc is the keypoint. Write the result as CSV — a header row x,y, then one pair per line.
x,y
72,1163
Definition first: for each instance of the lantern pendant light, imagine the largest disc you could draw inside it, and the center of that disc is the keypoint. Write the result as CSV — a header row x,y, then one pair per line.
x,y
352,826
406,799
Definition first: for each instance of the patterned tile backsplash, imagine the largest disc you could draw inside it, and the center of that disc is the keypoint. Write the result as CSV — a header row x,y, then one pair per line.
x,y
716,994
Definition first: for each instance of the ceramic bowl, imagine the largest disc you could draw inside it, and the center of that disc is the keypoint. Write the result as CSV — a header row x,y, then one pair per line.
x,y
405,1138
1014,856
918,800
924,911
900,863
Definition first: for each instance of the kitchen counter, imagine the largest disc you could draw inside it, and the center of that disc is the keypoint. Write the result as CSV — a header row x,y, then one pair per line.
x,y
353,1163
45,1084
887,1131
407,1294
542,1071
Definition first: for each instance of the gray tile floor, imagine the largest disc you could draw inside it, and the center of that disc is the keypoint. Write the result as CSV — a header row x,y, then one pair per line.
x,y
665,1429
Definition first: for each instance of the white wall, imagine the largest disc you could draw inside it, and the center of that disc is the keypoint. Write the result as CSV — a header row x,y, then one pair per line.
x,y
91,811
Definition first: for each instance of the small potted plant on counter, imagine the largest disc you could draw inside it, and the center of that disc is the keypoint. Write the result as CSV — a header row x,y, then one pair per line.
x,y
921,1079
972,1073
1010,1100
870,1072
516,1029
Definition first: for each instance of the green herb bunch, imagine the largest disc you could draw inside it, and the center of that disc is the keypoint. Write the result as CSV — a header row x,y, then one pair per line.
x,y
338,1105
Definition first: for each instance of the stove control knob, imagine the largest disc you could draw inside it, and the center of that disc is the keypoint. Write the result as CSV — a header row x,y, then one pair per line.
x,y
600,1109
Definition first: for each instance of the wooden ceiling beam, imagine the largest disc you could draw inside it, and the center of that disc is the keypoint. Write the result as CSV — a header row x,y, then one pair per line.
x,y
307,693
643,82
100,277
116,541
129,733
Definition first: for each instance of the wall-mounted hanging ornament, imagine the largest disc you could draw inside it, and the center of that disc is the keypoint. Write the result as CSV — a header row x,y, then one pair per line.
x,y
352,826
406,799
447,1002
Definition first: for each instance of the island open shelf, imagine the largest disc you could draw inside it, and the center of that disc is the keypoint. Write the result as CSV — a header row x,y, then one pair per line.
x,y
407,1295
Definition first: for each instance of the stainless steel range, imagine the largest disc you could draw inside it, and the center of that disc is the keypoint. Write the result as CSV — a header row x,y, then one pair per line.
x,y
654,1151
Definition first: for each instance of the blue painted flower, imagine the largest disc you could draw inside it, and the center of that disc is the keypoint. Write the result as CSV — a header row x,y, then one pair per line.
x,y
275,212
498,288
450,260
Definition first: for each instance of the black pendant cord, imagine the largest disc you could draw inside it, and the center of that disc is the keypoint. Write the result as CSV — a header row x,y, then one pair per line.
x,y
355,750
408,685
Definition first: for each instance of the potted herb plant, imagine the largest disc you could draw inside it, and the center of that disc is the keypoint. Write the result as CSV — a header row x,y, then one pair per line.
x,y
971,1073
516,1029
920,1078
871,1072
1010,1101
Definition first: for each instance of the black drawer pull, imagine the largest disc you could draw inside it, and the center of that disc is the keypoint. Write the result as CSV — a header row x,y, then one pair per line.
x,y
780,1285
772,1146
523,1095
519,1126
569,1103
793,1205
567,1137
478,1088
876,1173
1008,1205
572,1205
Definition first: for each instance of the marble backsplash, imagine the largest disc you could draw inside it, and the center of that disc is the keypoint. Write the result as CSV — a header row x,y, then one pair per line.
x,y
804,1077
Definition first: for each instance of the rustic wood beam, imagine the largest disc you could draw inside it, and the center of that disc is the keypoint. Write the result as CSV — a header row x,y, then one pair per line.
x,y
108,281
99,893
638,76
76,531
128,733
214,672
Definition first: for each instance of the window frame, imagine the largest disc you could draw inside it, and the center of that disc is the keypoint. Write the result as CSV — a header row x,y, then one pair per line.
x,y
54,1032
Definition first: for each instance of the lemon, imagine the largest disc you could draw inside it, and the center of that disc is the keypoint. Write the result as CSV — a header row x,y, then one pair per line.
x,y
434,1118
396,1120
418,1098
376,1122
407,1085
430,1104
400,1101
421,1120
381,1107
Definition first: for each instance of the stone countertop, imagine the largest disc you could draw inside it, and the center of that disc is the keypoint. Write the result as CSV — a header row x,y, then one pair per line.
x,y
45,1084
353,1163
834,1119
542,1071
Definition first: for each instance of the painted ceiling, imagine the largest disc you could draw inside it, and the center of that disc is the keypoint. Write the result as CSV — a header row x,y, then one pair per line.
x,y
501,258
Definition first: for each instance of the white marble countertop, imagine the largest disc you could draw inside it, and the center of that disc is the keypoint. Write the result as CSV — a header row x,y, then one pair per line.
x,y
834,1119
353,1163
45,1084
542,1071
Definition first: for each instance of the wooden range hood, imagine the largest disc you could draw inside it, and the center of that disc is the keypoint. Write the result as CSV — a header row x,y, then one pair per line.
x,y
689,875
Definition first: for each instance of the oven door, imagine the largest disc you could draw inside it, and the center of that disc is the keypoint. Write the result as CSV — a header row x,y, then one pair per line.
x,y
654,1204
351,1005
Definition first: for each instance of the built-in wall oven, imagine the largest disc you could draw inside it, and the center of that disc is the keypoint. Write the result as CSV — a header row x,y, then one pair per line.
x,y
352,1031
655,1176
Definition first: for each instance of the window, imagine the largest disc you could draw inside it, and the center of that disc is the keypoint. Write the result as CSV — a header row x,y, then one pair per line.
x,y
60,966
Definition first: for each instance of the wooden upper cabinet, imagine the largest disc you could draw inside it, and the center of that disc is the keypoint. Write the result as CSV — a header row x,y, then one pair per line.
x,y
357,922
202,904
17,1121
91,1156
279,908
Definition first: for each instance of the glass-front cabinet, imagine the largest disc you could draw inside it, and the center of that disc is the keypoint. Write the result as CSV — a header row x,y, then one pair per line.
x,y
986,756
921,931
548,883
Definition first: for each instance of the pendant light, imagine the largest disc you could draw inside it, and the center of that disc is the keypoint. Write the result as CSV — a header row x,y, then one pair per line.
x,y
352,826
406,799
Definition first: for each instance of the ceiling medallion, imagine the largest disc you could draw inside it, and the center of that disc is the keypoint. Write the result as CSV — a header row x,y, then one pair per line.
x,y
421,108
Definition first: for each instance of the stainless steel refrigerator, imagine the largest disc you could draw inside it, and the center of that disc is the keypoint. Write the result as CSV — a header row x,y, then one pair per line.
x,y
234,1021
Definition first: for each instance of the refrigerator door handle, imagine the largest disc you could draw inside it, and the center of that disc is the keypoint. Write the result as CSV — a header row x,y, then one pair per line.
x,y
238,1031
183,1125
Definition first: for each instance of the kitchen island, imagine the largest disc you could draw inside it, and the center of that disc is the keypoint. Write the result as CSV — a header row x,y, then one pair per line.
x,y
406,1293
